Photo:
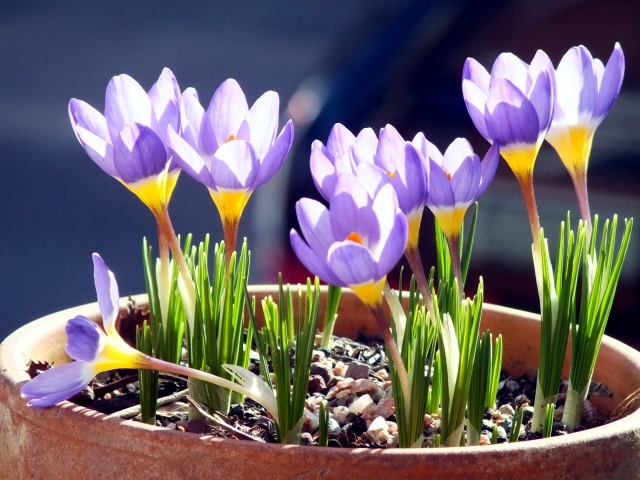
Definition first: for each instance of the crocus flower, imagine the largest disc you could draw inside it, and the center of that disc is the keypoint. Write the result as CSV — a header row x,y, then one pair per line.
x,y
456,180
230,148
128,141
95,350
391,154
354,243
513,106
586,92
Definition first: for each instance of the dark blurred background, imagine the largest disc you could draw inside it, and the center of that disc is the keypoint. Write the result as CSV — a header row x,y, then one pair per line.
x,y
360,62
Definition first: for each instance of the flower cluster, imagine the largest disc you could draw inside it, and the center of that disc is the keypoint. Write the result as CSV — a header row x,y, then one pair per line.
x,y
376,187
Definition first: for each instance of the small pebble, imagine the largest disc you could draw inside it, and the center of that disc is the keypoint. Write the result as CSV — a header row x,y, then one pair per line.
x,y
359,405
507,410
589,415
428,420
512,386
358,370
521,401
340,370
316,384
311,421
196,425
382,373
484,440
557,414
364,385
378,431
306,439
527,414
321,369
340,414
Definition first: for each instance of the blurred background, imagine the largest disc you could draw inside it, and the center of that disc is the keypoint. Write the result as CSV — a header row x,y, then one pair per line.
x,y
364,63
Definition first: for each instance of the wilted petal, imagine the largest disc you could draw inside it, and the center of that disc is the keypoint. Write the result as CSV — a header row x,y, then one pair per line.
x,y
164,96
261,123
191,113
275,157
227,110
340,139
611,83
315,224
188,159
352,263
138,153
126,102
235,165
107,290
312,261
83,339
511,117
57,384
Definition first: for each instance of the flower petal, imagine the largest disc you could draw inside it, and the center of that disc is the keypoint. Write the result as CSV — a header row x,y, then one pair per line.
x,y
107,290
275,157
350,210
542,90
83,339
511,117
312,262
611,83
261,123
164,96
372,178
440,191
315,224
475,100
477,75
227,110
91,131
191,113
393,231
508,66
138,153
340,139
466,180
489,165
322,169
126,102
57,384
456,153
352,263
390,151
235,166
188,159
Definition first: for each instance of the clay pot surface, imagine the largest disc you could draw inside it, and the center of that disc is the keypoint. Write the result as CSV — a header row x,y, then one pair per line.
x,y
68,441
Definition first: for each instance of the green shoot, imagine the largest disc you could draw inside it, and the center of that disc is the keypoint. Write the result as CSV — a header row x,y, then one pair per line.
x,y
514,434
494,435
434,396
330,314
558,313
323,430
549,410
279,320
484,384
600,275
419,338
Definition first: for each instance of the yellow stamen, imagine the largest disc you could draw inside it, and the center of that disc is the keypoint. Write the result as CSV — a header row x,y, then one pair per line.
x,y
354,237
230,203
520,158
231,137
391,174
371,292
448,174
573,145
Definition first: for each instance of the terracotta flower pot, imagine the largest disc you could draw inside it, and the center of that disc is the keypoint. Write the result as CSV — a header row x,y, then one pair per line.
x,y
68,441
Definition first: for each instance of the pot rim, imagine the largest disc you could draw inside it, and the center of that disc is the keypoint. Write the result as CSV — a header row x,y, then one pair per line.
x,y
15,375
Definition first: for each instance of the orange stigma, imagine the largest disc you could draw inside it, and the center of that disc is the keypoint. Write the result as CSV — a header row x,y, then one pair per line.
x,y
448,174
391,174
354,237
231,137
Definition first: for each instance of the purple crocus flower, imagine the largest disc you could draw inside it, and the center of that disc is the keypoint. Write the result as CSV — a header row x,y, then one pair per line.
x,y
128,141
398,162
354,243
456,180
94,350
586,92
513,106
230,148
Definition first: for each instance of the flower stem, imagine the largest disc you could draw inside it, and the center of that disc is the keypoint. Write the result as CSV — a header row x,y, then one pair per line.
x,y
230,228
526,185
580,186
415,262
164,282
394,353
454,251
